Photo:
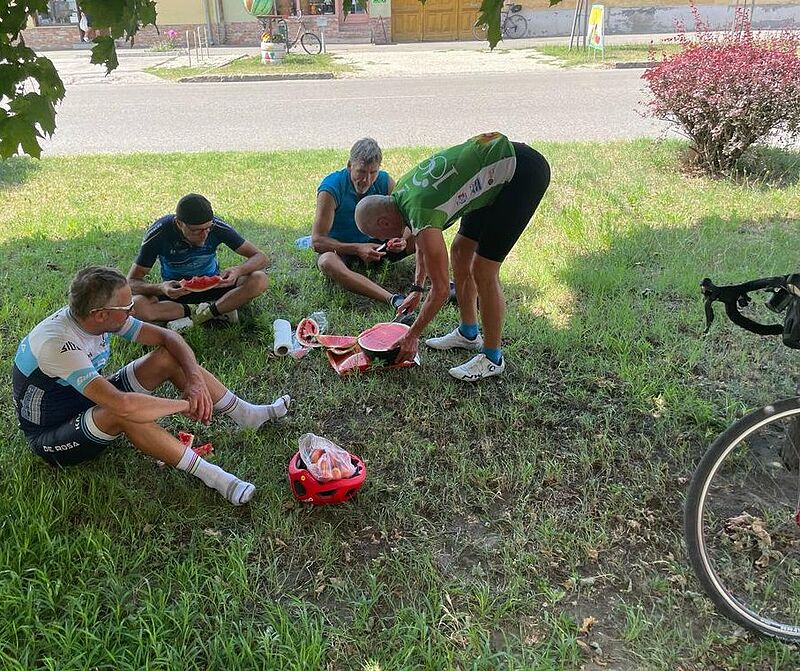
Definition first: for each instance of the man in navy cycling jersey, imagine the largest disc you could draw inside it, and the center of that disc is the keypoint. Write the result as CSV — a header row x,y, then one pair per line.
x,y
185,244
70,413
344,251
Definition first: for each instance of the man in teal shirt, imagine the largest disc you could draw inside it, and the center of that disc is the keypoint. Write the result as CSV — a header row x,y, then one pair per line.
x,y
344,251
494,186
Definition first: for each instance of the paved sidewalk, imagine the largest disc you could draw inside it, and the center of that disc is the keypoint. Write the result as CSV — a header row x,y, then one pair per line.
x,y
418,59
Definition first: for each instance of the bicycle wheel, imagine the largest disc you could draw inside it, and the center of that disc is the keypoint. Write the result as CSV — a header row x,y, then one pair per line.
x,y
515,26
311,43
742,521
479,31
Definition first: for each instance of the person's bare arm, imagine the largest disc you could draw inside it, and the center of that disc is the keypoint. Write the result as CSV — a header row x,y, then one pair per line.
x,y
432,262
256,260
320,230
196,391
135,407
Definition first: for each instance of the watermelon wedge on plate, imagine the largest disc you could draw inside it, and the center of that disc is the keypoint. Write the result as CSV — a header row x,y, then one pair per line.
x,y
201,282
380,341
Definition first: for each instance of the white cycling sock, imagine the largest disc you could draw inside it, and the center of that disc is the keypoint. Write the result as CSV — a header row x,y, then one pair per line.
x,y
247,415
232,488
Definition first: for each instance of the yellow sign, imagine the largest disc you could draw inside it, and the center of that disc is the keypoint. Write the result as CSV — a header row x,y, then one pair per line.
x,y
596,35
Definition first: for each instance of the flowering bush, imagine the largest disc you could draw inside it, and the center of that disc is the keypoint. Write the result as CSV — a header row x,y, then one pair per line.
x,y
169,42
726,93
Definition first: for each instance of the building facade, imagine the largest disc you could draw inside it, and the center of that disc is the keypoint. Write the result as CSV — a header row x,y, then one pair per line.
x,y
385,21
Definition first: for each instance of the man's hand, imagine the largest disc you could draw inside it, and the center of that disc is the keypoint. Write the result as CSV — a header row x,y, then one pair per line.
x,y
173,289
201,407
409,304
396,245
368,252
409,344
230,277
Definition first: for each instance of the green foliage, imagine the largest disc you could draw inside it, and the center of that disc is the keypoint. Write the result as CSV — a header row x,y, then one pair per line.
x,y
29,84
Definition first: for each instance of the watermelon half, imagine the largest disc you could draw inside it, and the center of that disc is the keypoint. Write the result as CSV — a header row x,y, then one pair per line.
x,y
380,341
337,344
201,282
307,332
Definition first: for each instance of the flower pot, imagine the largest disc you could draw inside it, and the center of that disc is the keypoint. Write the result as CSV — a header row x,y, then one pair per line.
x,y
272,53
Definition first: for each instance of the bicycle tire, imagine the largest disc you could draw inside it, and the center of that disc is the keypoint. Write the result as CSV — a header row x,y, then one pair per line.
x,y
752,452
479,31
311,43
515,26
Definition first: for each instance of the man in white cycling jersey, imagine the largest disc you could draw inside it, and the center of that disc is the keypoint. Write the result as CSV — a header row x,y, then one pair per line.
x,y
70,413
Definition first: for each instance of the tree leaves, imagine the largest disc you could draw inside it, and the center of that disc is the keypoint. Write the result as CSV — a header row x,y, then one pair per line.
x,y
30,86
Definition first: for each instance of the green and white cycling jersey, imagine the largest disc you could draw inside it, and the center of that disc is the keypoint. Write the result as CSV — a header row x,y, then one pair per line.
x,y
455,181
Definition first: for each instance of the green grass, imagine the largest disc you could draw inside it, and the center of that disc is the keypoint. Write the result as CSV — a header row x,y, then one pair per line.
x,y
250,65
495,518
618,53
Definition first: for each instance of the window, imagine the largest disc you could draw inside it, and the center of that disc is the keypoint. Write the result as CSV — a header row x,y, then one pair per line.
x,y
59,13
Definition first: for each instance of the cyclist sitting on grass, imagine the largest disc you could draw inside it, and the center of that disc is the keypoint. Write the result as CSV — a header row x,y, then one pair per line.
x,y
70,413
345,253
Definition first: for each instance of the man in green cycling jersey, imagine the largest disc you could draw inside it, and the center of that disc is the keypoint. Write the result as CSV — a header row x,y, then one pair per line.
x,y
494,186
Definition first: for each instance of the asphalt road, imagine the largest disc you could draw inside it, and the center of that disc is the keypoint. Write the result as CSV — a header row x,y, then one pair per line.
x,y
160,116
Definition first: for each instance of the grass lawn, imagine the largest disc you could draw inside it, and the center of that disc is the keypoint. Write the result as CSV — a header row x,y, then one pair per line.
x,y
251,65
495,518
618,53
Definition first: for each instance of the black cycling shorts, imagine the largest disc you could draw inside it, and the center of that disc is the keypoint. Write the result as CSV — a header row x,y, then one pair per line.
x,y
497,227
197,297
80,439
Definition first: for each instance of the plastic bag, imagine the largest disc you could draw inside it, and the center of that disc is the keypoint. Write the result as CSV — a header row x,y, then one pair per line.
x,y
324,460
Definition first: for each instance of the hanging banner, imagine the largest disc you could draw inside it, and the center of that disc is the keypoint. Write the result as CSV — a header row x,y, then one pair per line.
x,y
595,35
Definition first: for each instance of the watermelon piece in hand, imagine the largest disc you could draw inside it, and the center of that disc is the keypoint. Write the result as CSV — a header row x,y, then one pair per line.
x,y
201,282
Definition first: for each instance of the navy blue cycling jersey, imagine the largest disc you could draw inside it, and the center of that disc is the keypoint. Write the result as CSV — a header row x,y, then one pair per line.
x,y
179,258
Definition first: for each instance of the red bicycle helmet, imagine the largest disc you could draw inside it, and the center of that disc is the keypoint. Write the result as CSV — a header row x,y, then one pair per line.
x,y
305,487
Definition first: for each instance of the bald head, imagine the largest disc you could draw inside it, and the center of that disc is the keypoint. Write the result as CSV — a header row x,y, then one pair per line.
x,y
378,217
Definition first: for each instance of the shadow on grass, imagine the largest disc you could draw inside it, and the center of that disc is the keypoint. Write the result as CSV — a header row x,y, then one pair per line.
x,y
16,171
769,168
498,494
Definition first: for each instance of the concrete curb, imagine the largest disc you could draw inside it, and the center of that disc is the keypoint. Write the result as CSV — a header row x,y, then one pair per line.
x,y
633,64
255,78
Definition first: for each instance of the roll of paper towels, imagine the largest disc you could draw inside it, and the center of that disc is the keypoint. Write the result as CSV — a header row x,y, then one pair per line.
x,y
283,337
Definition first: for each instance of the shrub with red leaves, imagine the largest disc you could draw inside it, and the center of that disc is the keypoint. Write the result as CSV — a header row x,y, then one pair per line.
x,y
728,92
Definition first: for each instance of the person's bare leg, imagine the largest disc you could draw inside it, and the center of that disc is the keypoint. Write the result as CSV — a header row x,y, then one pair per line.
x,y
332,266
462,253
150,309
493,303
159,365
156,442
247,288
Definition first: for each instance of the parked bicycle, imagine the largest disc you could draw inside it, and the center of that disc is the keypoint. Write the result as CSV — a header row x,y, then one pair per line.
x,y
512,24
742,513
309,40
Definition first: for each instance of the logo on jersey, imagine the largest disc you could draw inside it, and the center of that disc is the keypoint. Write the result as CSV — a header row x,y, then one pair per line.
x,y
70,347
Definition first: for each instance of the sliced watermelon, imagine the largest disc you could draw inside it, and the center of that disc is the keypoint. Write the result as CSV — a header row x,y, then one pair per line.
x,y
307,332
201,282
381,340
337,344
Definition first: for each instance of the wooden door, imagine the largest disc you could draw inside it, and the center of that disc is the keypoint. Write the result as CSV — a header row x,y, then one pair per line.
x,y
467,14
440,20
406,21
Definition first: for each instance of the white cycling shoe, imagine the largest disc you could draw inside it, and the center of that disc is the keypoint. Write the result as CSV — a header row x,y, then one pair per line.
x,y
454,340
477,368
